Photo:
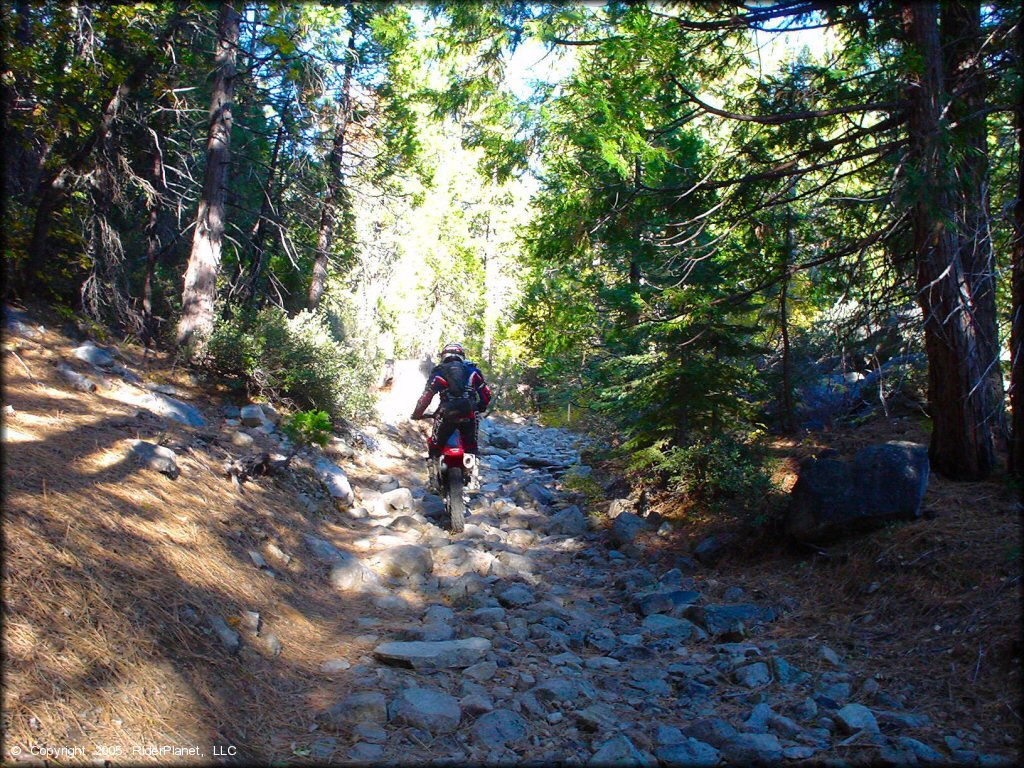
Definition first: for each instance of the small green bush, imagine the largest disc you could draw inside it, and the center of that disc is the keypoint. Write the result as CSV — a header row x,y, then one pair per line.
x,y
297,360
717,474
308,428
585,485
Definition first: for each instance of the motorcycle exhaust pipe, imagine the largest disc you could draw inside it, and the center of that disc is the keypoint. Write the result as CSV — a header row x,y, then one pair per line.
x,y
468,460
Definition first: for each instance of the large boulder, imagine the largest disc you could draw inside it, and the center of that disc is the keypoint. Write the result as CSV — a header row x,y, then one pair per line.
x,y
833,498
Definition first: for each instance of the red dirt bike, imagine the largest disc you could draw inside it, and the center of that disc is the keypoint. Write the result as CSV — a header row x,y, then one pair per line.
x,y
448,475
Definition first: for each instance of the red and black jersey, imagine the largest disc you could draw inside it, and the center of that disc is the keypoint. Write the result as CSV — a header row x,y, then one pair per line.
x,y
455,381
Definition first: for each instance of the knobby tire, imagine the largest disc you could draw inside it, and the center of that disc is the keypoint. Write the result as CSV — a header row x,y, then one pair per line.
x,y
456,502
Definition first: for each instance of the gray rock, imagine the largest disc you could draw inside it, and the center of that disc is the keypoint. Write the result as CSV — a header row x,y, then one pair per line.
x,y
93,355
431,506
752,749
798,752
618,750
785,673
476,704
721,620
710,550
856,717
424,655
562,689
367,707
334,666
516,596
570,522
832,498
668,734
173,409
431,631
438,613
617,506
499,728
335,481
626,527
920,750
433,711
488,616
711,730
406,560
757,722
398,499
753,675
830,656
667,626
242,439
347,571
362,752
252,416
654,602
900,720
323,749
231,639
157,457
481,671
689,752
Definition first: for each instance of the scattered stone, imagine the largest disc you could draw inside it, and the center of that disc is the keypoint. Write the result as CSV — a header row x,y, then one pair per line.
x,y
617,506
93,355
252,416
570,522
711,730
335,481
753,675
76,380
158,457
710,550
856,717
830,656
367,707
499,728
476,704
334,666
242,439
443,654
362,752
721,620
481,671
752,749
618,750
626,527
434,711
405,560
667,626
170,408
516,596
920,750
689,752
231,639
398,499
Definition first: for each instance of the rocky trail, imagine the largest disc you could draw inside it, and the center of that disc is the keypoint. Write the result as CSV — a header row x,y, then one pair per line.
x,y
547,641
322,590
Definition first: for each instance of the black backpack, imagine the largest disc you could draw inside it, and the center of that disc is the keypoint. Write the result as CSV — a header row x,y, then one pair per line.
x,y
459,404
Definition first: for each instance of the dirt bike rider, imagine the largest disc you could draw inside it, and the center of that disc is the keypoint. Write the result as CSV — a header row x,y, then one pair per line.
x,y
464,396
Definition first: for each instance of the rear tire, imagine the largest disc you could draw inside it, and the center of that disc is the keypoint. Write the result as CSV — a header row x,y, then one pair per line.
x,y
455,502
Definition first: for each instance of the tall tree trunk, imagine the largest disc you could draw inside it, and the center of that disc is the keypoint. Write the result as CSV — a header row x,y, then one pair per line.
x,y
53,188
154,204
967,82
1017,313
337,196
200,291
788,411
257,262
961,442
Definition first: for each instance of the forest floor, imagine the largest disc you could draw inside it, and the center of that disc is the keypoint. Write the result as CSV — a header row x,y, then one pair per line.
x,y
130,597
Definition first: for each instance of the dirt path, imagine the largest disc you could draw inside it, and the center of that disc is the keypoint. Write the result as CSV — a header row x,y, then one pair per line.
x,y
541,642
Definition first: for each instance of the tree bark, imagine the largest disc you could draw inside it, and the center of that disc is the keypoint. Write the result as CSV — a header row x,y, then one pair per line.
x,y
962,43
337,195
788,409
961,442
1017,309
200,291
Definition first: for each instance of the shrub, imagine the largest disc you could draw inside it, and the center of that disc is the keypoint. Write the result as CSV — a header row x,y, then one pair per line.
x,y
308,428
297,360
718,474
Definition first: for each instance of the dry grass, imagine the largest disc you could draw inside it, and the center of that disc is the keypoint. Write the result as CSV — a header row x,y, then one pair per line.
x,y
104,561
932,608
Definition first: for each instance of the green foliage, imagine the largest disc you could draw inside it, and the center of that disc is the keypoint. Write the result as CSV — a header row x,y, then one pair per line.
x,y
584,484
308,428
718,474
294,359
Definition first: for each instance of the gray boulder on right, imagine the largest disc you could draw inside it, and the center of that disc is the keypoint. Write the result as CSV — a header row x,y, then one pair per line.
x,y
832,498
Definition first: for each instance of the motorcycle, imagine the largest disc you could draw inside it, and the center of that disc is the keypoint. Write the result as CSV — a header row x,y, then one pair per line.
x,y
449,473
